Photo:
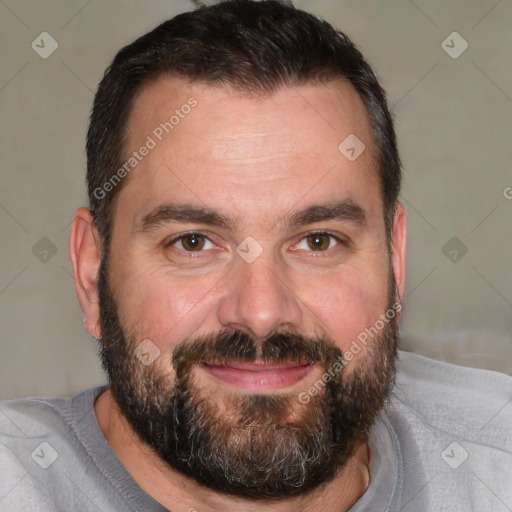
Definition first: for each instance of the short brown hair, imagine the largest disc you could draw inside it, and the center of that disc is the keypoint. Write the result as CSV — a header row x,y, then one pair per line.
x,y
248,45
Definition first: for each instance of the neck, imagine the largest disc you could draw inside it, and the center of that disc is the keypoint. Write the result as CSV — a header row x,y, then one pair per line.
x,y
181,494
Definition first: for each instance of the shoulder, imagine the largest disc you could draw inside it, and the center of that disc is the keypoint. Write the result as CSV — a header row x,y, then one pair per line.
x,y
452,428
425,369
37,434
35,418
18,418
454,399
24,422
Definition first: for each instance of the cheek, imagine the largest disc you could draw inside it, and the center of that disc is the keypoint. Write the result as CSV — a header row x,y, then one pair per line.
x,y
154,304
347,304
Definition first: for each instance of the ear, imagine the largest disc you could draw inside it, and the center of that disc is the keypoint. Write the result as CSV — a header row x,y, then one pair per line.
x,y
85,253
398,247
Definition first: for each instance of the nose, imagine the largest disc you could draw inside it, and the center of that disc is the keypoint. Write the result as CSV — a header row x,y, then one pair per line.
x,y
259,300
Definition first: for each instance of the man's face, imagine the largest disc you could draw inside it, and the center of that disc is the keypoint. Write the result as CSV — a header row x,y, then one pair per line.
x,y
251,252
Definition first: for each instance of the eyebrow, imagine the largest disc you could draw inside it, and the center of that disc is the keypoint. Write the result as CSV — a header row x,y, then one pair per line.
x,y
345,210
169,212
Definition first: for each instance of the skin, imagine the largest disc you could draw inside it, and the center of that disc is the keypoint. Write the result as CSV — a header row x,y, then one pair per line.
x,y
257,161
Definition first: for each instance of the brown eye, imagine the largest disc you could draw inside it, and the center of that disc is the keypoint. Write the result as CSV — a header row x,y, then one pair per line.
x,y
318,241
193,242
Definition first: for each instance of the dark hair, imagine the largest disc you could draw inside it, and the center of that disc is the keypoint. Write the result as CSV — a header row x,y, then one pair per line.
x,y
251,46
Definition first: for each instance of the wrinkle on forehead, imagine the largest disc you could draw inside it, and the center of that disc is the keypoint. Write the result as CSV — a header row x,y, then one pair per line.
x,y
257,156
319,114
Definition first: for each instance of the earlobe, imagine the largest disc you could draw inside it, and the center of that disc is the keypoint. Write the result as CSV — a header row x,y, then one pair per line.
x,y
398,247
85,254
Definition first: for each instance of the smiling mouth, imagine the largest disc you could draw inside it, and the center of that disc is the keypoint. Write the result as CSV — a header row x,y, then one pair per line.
x,y
258,376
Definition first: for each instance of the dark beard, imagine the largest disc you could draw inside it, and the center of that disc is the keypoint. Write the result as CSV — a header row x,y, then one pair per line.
x,y
247,445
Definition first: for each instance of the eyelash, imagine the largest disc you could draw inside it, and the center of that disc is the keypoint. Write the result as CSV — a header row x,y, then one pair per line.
x,y
338,240
185,235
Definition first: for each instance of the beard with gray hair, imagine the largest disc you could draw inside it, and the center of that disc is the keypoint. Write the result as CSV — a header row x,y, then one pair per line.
x,y
256,446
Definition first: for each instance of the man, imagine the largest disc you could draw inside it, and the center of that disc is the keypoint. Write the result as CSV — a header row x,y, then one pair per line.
x,y
242,266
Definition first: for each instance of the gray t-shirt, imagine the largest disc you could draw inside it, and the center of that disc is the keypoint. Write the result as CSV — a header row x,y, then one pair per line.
x,y
443,443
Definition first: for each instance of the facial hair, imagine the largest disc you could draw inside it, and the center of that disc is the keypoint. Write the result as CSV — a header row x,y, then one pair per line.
x,y
256,446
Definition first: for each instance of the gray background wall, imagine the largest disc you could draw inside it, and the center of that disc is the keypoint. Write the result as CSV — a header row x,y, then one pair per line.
x,y
453,123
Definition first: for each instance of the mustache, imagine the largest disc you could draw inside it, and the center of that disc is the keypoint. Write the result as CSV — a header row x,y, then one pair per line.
x,y
234,345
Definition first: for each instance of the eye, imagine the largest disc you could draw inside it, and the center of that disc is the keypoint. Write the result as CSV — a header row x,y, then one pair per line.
x,y
192,242
318,242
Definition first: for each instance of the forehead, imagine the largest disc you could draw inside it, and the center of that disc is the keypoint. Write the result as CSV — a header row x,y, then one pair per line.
x,y
221,147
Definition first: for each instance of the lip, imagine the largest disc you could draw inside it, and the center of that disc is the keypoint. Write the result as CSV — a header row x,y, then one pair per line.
x,y
258,376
